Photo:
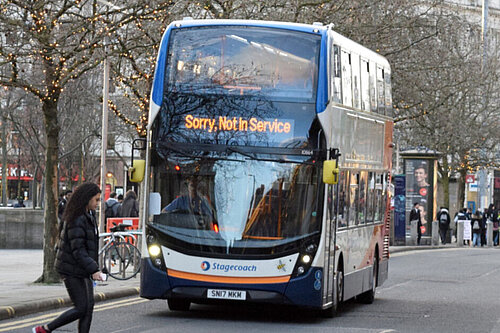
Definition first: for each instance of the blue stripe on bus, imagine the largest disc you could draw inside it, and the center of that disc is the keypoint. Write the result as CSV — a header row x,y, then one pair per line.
x,y
300,291
159,78
322,97
154,282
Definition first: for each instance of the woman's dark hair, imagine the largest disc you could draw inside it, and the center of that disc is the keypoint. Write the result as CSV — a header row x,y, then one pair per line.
x,y
130,194
491,208
79,200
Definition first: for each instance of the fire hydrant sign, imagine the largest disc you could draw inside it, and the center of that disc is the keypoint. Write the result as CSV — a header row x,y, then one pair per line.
x,y
467,230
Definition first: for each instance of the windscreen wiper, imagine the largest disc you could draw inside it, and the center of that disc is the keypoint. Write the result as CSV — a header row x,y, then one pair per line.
x,y
277,160
193,156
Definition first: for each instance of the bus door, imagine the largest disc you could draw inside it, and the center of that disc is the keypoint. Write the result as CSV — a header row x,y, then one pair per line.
x,y
330,238
330,241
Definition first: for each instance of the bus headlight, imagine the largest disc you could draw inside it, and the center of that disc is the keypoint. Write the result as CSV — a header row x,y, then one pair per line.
x,y
154,250
306,258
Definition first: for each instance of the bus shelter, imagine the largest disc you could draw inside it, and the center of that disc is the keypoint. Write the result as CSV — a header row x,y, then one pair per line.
x,y
420,173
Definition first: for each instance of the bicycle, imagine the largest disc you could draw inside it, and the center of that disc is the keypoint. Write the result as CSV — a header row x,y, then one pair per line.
x,y
120,257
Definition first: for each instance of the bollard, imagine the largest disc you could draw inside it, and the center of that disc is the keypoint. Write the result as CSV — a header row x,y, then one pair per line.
x,y
413,233
460,233
489,233
435,233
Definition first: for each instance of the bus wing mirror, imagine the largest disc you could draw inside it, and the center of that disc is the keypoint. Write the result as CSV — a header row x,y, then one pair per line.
x,y
137,170
330,172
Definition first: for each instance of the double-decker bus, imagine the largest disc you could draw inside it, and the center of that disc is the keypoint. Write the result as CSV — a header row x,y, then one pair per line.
x,y
267,163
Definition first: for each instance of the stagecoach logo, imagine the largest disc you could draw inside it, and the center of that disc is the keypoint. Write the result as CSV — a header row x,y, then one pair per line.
x,y
281,266
205,265
223,267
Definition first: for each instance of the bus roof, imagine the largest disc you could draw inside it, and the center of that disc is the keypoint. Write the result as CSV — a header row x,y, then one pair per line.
x,y
255,23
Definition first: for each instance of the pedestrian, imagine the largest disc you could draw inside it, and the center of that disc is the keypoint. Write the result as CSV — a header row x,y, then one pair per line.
x,y
19,203
62,205
415,217
444,223
129,207
492,215
111,207
476,222
76,258
461,216
483,227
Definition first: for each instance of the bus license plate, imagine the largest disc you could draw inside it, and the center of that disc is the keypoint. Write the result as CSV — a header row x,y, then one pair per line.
x,y
227,294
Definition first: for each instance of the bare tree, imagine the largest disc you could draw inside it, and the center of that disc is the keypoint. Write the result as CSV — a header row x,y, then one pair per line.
x,y
46,45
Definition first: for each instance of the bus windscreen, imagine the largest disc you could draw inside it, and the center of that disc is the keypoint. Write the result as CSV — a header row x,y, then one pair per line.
x,y
247,61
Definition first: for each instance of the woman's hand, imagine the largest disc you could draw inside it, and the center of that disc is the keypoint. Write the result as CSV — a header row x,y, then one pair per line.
x,y
97,276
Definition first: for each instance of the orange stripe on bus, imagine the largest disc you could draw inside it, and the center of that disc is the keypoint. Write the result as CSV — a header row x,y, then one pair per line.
x,y
227,279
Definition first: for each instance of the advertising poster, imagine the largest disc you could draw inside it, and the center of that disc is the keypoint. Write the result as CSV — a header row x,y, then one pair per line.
x,y
418,175
467,230
399,210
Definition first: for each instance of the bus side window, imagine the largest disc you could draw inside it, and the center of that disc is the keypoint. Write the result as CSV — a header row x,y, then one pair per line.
x,y
336,75
365,85
345,59
388,94
342,205
353,198
370,197
373,87
362,197
380,91
356,84
384,194
378,197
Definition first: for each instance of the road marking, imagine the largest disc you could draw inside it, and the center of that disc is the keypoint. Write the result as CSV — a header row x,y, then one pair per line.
x,y
43,319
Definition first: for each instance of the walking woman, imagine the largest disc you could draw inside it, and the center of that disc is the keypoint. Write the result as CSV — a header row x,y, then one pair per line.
x,y
76,258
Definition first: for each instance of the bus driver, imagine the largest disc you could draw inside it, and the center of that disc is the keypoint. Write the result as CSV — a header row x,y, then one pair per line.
x,y
192,203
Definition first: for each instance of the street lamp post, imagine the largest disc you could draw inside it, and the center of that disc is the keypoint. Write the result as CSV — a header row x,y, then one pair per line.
x,y
104,137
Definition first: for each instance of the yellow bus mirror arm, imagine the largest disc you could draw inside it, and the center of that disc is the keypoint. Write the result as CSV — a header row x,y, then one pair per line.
x,y
335,173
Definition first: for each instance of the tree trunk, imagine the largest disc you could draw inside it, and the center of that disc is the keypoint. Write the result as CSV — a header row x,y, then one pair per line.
x,y
49,108
51,229
445,181
461,189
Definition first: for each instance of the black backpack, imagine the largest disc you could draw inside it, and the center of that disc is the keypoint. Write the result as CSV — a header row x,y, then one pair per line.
x,y
109,212
443,219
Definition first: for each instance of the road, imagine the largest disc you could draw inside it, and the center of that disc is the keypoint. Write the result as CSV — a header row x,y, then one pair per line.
x,y
451,290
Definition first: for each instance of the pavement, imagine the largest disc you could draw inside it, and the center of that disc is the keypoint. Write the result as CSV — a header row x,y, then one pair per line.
x,y
20,296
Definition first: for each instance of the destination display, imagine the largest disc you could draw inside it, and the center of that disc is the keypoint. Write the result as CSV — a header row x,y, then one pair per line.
x,y
237,124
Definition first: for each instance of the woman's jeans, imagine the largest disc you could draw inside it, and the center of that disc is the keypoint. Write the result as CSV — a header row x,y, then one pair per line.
x,y
81,292
476,239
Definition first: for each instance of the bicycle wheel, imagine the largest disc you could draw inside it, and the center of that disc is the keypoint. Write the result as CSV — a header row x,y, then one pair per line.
x,y
122,260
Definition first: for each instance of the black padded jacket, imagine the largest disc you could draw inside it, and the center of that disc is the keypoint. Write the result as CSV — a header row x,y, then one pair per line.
x,y
79,244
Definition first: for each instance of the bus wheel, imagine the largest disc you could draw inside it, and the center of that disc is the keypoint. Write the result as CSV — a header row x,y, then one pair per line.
x,y
339,295
369,296
175,304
